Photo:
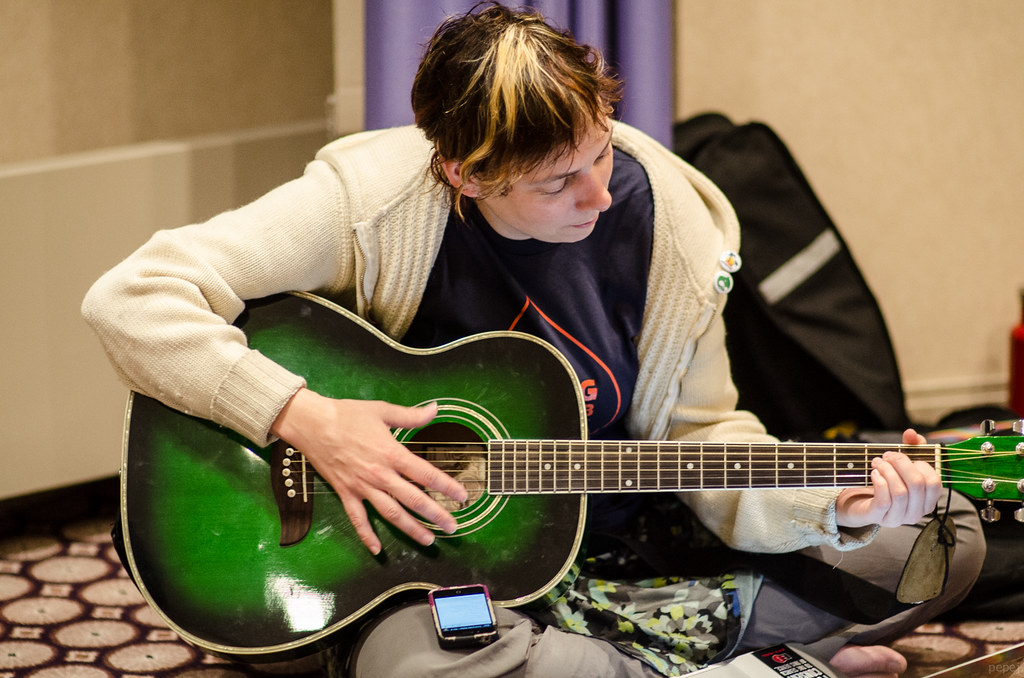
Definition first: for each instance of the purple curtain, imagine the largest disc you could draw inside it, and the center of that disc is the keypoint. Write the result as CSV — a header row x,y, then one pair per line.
x,y
635,36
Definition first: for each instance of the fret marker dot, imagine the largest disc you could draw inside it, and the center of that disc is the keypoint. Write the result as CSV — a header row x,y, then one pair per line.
x,y
629,483
789,465
689,466
849,465
547,467
577,466
737,466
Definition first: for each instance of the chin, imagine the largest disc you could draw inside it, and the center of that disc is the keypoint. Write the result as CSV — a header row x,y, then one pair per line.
x,y
578,233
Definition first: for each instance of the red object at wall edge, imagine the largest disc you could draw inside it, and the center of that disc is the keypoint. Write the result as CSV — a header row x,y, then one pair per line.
x,y
1017,363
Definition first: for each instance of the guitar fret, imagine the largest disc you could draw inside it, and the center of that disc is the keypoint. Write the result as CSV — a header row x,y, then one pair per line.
x,y
677,467
688,469
495,463
713,476
578,462
560,460
513,471
604,468
629,467
518,467
658,471
764,465
821,470
735,467
789,470
537,467
545,465
700,465
853,466
522,470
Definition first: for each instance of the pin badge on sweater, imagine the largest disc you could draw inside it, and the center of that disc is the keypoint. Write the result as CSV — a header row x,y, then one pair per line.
x,y
730,262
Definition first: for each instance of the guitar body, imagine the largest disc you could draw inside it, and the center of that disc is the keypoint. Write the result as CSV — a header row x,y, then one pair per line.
x,y
206,515
202,528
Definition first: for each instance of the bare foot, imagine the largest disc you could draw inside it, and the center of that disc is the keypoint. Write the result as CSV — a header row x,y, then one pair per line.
x,y
869,661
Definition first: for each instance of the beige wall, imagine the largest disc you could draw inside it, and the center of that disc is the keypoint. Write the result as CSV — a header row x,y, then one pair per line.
x,y
82,74
906,117
121,117
349,80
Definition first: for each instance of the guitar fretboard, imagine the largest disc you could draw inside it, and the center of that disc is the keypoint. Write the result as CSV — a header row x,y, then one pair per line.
x,y
577,467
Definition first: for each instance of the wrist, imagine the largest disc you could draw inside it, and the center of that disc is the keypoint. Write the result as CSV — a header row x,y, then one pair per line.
x,y
846,502
288,421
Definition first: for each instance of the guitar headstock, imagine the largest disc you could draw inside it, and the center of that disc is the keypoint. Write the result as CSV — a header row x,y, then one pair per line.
x,y
989,467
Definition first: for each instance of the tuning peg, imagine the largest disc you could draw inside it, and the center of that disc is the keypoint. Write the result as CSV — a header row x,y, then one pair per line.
x,y
1018,515
1018,427
991,514
988,427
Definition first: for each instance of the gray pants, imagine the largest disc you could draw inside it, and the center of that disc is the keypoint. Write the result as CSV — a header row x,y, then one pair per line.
x,y
403,643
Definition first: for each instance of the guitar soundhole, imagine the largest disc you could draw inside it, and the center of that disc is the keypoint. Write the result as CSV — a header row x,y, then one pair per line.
x,y
457,451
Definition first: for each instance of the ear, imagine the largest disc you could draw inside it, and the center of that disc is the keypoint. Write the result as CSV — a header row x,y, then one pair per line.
x,y
453,171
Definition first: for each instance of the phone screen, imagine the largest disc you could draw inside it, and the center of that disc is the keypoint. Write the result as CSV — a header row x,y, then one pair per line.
x,y
463,615
463,612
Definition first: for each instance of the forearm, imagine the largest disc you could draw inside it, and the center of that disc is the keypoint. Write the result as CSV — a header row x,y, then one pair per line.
x,y
163,315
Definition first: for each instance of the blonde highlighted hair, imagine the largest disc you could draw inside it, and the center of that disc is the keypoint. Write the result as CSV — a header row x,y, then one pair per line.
x,y
500,91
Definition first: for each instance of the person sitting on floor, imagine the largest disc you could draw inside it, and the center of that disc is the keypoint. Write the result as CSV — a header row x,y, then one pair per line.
x,y
518,202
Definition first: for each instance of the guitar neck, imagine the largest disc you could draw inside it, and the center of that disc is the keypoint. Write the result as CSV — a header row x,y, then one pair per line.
x,y
578,467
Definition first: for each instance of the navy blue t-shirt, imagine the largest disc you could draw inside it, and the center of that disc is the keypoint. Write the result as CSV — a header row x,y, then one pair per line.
x,y
585,298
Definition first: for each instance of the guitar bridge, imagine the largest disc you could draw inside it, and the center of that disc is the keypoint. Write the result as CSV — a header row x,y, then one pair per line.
x,y
291,478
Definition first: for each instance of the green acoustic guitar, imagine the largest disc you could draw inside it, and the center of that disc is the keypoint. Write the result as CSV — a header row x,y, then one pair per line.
x,y
247,554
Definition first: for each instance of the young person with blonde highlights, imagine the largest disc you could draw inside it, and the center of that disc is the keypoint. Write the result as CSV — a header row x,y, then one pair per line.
x,y
517,201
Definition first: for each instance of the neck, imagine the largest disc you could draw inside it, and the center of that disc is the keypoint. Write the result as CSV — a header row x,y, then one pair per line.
x,y
557,466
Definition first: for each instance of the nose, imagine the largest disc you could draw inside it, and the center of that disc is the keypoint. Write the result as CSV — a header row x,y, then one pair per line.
x,y
596,195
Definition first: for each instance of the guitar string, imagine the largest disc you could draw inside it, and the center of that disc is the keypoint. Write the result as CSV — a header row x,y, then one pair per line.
x,y
660,457
646,470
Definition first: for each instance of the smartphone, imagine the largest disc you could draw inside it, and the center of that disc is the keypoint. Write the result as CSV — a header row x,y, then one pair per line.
x,y
463,615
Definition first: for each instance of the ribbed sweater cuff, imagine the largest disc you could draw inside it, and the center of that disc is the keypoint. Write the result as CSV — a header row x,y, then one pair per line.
x,y
253,394
815,510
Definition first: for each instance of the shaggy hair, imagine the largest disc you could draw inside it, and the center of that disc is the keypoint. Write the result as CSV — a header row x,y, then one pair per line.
x,y
500,91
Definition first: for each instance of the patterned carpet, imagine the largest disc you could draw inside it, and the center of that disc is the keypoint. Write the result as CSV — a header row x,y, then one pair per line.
x,y
933,647
68,610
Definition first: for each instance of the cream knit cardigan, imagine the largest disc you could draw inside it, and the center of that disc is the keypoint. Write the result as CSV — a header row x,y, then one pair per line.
x,y
362,226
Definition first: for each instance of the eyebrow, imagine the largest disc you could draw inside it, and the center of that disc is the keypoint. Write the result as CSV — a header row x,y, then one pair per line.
x,y
566,175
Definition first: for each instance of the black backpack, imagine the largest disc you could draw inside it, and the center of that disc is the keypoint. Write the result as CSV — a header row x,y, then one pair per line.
x,y
809,347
